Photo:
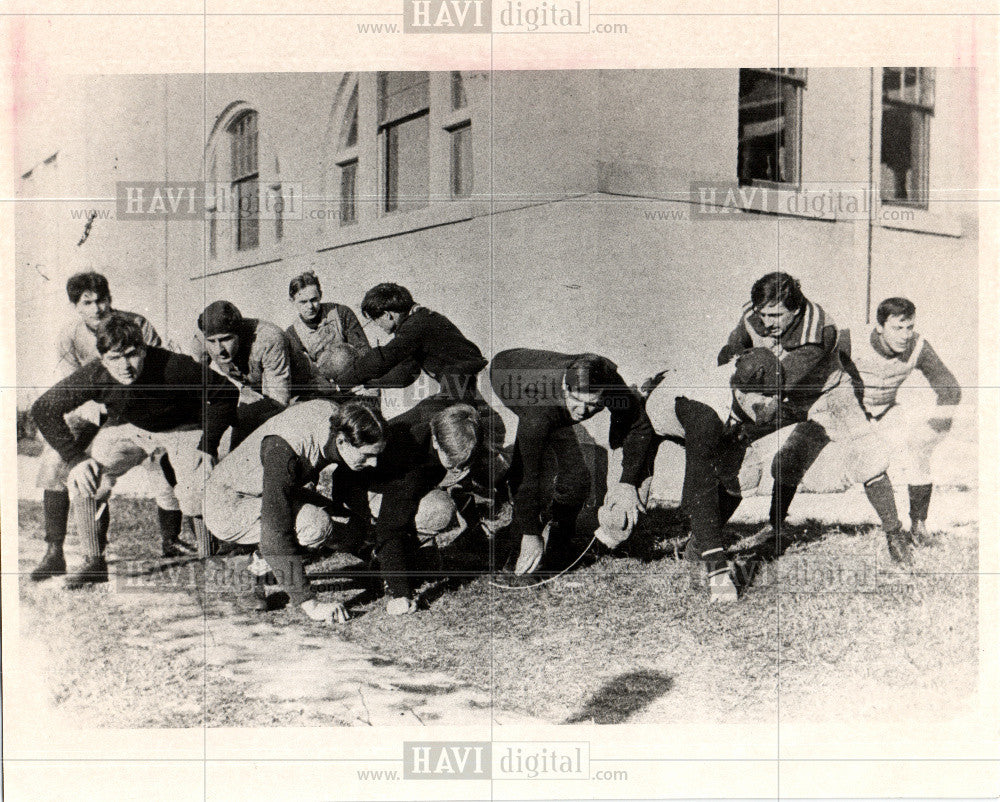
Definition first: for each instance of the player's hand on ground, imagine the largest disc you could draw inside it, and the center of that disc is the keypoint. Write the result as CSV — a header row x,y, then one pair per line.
x,y
626,498
530,557
85,478
326,612
401,606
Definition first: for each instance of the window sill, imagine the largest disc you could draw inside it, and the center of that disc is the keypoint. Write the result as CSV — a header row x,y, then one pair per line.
x,y
241,260
438,213
778,200
920,221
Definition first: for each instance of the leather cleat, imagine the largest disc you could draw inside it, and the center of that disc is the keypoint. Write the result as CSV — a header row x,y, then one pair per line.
x,y
94,571
763,536
175,548
919,536
899,547
53,563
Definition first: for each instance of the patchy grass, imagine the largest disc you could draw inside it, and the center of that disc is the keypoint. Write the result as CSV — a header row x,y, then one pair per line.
x,y
629,636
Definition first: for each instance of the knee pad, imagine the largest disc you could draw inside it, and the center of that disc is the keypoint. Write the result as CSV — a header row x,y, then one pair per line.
x,y
435,513
313,526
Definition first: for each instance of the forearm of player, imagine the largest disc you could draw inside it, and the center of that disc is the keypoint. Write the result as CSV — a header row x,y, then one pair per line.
x,y
940,378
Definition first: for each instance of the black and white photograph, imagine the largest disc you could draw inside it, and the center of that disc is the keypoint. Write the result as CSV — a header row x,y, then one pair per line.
x,y
468,403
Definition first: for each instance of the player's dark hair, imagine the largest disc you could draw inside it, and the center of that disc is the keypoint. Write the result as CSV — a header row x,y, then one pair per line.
x,y
895,307
79,283
301,281
777,288
360,423
220,317
457,431
118,333
591,374
758,370
386,297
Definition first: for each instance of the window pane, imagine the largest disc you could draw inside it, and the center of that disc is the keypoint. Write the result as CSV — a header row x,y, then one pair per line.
x,y
407,172
458,98
892,78
348,183
349,132
461,162
768,129
401,94
244,146
904,154
247,217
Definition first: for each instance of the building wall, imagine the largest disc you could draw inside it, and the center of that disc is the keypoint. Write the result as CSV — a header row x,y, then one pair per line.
x,y
568,251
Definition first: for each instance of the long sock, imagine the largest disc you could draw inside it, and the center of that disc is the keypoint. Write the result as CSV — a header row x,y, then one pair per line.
x,y
202,537
883,500
102,524
920,501
170,523
781,500
55,503
84,513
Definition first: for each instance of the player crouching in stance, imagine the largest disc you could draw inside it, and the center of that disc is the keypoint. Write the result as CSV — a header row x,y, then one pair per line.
x,y
262,493
90,296
155,399
550,393
816,396
712,431
885,357
441,479
879,360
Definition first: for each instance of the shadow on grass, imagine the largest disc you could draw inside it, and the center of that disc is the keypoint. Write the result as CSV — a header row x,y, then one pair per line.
x,y
622,697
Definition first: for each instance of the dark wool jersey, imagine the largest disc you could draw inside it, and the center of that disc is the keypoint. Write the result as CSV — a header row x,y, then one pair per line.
x,y
427,341
810,359
173,391
529,383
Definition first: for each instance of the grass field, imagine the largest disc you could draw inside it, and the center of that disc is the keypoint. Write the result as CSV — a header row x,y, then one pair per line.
x,y
828,628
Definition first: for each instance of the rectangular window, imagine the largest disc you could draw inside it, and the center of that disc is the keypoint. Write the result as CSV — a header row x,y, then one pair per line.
x,y
348,188
461,161
770,125
213,233
278,205
404,137
907,106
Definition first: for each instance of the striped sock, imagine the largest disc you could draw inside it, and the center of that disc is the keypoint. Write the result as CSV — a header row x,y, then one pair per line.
x,y
85,514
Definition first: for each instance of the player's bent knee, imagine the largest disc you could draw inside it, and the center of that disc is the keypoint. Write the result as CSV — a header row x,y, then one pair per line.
x,y
867,464
52,472
435,513
313,526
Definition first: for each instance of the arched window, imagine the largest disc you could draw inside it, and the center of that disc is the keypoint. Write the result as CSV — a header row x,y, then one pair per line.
x,y
396,142
243,175
347,162
245,203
